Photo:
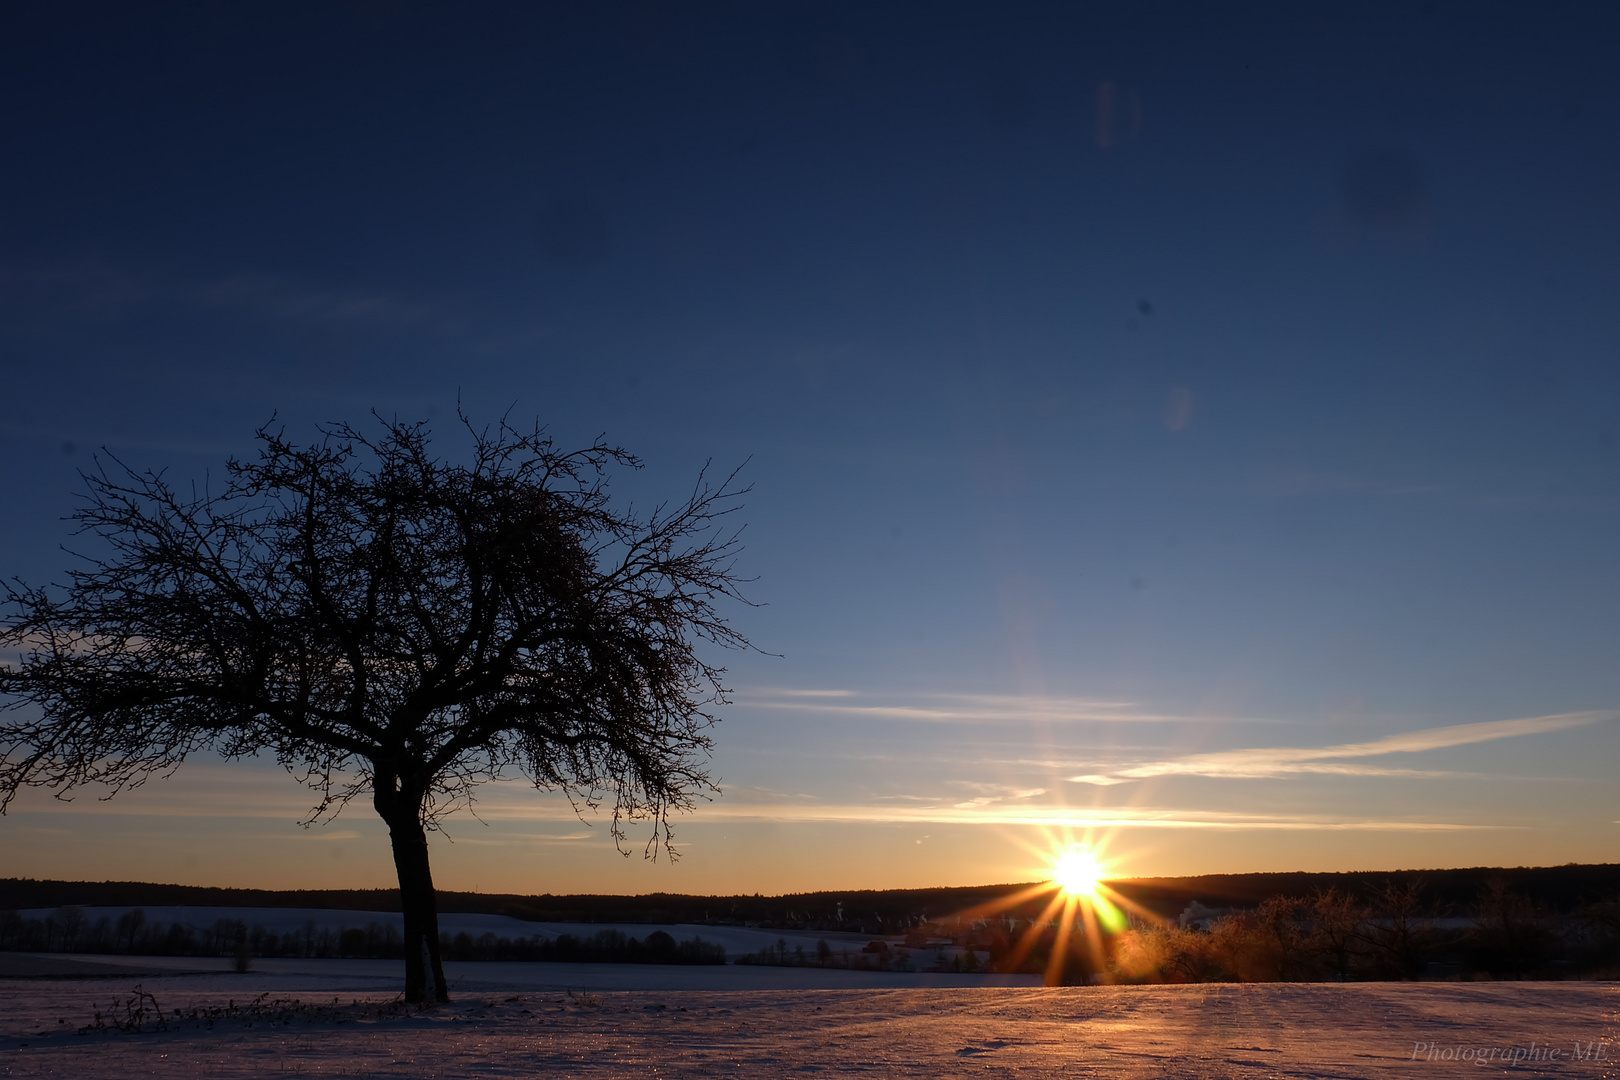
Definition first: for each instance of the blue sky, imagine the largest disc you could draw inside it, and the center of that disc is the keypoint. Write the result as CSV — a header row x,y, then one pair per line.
x,y
1116,387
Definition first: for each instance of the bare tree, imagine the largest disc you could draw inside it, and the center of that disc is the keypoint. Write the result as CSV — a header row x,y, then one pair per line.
x,y
1605,913
1400,931
1509,930
1283,936
1336,928
69,923
384,623
130,925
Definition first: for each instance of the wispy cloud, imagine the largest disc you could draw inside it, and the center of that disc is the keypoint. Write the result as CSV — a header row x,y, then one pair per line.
x,y
291,300
508,839
97,287
993,794
92,439
793,693
756,793
219,792
993,805
248,791
1051,815
955,708
1275,761
1293,482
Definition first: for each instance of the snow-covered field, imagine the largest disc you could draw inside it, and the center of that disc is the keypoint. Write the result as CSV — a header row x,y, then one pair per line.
x,y
326,978
737,940
292,920
504,1023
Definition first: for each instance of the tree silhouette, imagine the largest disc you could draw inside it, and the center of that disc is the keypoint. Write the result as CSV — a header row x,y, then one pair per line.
x,y
1401,932
384,622
1336,927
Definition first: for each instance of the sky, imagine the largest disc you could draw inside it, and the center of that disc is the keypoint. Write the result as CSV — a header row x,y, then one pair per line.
x,y
1189,431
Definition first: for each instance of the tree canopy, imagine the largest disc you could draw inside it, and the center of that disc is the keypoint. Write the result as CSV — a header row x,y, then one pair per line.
x,y
388,623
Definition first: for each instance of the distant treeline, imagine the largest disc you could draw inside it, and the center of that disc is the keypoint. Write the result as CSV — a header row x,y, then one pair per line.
x,y
68,929
1558,889
873,956
1405,930
1402,932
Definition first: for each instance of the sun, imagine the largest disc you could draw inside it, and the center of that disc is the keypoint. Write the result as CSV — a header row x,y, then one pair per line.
x,y
1077,872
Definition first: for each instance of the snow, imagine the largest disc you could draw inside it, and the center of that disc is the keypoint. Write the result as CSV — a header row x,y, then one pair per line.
x,y
737,940
503,1024
309,975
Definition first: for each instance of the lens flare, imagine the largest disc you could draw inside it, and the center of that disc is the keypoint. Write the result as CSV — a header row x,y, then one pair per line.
x,y
1071,916
1078,872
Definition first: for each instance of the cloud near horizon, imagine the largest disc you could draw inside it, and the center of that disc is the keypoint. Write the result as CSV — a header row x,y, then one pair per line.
x,y
958,708
267,792
270,793
1271,762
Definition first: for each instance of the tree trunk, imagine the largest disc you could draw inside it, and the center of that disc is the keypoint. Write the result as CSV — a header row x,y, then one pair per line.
x,y
424,967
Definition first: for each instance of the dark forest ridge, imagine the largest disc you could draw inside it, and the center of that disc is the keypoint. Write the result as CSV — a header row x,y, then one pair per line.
x,y
1556,888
